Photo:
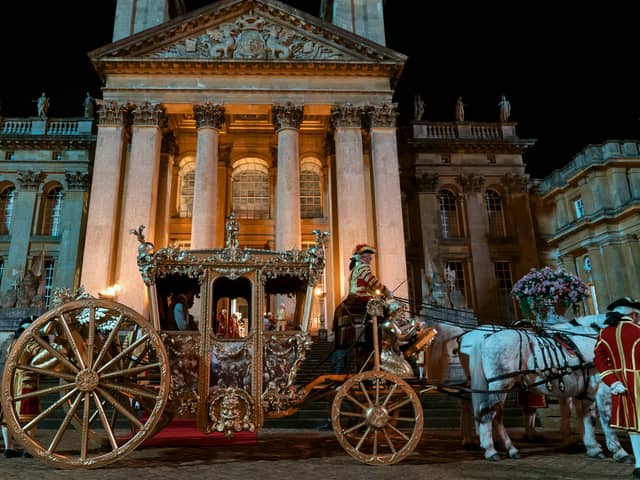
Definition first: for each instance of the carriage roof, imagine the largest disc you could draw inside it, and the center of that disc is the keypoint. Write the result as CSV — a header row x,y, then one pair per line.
x,y
306,264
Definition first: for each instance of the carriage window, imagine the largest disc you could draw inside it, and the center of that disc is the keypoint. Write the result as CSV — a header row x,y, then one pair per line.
x,y
495,214
176,295
285,299
505,285
232,307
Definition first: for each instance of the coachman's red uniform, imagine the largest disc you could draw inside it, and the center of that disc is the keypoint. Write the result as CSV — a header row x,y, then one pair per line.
x,y
617,357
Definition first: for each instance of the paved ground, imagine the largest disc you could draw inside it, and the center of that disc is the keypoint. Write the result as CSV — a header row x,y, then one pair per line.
x,y
308,454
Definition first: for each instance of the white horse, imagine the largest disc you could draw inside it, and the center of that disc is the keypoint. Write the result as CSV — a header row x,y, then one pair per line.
x,y
558,363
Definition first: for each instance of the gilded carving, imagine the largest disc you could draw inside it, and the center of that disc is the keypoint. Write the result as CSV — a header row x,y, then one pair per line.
x,y
230,411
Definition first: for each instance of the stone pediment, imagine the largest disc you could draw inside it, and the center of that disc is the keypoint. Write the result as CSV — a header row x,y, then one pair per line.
x,y
229,33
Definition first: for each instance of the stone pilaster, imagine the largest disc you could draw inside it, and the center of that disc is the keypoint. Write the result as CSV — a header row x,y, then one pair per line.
x,y
99,259
287,120
350,184
67,271
139,199
23,212
168,151
204,231
392,260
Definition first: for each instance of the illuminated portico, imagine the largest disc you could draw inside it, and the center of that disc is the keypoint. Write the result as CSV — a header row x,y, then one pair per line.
x,y
248,91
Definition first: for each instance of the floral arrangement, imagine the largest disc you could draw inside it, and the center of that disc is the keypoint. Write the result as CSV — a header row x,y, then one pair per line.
x,y
542,288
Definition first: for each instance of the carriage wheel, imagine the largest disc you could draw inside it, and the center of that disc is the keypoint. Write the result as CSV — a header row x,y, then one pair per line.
x,y
102,376
377,418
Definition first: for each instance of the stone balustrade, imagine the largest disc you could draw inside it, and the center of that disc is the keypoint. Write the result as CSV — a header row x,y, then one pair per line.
x,y
463,130
46,126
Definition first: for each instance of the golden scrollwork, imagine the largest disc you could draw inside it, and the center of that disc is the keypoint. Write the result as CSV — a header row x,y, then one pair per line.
x,y
230,411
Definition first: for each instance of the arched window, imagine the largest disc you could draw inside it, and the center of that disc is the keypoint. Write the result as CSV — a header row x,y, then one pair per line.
x,y
310,189
449,215
250,190
51,223
495,214
187,183
7,201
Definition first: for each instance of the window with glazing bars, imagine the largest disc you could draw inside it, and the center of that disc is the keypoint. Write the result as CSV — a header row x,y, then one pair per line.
x,y
52,212
495,214
186,191
310,206
449,220
49,265
7,201
250,197
504,286
458,269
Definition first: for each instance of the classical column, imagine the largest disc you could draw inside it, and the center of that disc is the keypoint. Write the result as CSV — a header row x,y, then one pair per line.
x,y
391,257
168,152
204,231
23,212
287,119
98,264
76,199
599,276
350,185
139,199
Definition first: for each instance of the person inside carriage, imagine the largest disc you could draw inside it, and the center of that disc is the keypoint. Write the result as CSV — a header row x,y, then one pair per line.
x,y
363,285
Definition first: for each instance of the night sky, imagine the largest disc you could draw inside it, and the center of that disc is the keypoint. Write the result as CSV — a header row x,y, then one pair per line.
x,y
570,76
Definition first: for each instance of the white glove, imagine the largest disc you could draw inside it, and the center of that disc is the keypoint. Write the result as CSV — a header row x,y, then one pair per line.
x,y
617,388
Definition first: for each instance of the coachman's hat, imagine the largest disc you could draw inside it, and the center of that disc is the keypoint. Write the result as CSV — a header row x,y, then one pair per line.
x,y
626,302
363,248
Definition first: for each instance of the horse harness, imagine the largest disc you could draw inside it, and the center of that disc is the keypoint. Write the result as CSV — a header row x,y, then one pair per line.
x,y
552,363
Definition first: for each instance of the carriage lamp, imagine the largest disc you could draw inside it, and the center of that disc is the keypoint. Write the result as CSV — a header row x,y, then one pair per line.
x,y
111,292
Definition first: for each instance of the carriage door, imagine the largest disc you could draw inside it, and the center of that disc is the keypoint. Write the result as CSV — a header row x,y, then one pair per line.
x,y
231,403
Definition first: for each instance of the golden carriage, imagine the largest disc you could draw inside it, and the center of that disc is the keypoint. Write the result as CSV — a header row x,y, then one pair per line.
x,y
104,379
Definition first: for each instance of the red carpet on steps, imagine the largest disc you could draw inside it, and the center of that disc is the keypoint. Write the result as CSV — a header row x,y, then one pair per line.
x,y
183,431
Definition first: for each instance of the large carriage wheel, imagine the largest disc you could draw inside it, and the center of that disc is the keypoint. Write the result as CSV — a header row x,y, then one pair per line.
x,y
88,371
377,418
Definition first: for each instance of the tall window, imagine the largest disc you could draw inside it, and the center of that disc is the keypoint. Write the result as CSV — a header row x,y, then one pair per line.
x,y
7,200
579,206
1,269
505,284
250,191
52,212
310,189
449,215
495,213
187,182
48,281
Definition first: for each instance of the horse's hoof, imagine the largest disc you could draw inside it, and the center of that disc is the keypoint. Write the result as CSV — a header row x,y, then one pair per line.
x,y
494,458
598,456
515,456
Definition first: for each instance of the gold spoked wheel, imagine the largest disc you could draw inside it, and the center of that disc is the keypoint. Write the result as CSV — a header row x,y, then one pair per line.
x,y
85,384
377,418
